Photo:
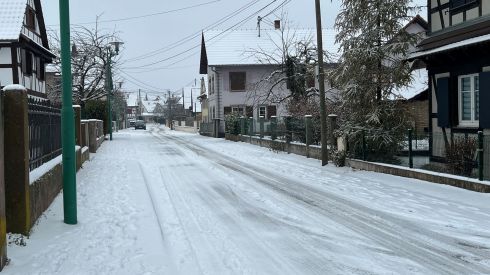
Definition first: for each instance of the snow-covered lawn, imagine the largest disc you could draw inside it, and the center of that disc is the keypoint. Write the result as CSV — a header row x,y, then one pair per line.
x,y
164,202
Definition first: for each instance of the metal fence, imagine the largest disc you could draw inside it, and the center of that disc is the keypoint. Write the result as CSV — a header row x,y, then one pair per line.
x,y
206,128
458,153
290,129
44,132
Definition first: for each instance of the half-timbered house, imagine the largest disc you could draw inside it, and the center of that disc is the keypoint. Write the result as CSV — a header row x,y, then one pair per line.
x,y
24,49
456,54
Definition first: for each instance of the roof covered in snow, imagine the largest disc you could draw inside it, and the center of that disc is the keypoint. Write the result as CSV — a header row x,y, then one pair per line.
x,y
11,18
151,104
460,44
132,99
240,47
420,83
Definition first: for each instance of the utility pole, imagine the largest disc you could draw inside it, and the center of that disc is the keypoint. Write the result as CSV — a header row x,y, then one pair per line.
x,y
321,80
139,103
170,124
67,122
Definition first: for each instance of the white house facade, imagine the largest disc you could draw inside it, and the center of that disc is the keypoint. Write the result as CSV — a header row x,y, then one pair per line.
x,y
236,61
24,49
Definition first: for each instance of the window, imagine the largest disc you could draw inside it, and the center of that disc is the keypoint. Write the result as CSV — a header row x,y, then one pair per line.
x,y
237,81
26,62
469,100
262,111
238,110
459,4
30,19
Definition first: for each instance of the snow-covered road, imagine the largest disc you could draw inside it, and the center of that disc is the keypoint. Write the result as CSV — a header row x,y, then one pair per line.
x,y
163,202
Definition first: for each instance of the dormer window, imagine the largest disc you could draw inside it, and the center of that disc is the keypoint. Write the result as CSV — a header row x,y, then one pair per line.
x,y
31,19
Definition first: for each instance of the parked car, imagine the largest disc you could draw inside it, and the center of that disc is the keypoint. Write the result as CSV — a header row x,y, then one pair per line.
x,y
140,124
132,122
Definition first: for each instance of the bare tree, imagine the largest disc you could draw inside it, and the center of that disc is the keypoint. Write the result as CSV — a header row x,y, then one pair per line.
x,y
294,59
89,58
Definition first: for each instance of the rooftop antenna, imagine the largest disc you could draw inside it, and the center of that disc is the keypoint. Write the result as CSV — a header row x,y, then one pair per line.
x,y
259,19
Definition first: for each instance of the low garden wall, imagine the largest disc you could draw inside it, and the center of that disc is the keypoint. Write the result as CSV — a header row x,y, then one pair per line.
x,y
315,153
46,183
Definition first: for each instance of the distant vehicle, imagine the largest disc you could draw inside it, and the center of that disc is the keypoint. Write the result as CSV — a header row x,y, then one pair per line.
x,y
132,122
140,124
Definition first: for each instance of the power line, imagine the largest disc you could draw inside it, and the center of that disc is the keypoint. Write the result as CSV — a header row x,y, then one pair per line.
x,y
146,15
194,35
141,83
198,45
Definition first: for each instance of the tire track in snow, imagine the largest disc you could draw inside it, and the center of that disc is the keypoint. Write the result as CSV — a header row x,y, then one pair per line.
x,y
383,229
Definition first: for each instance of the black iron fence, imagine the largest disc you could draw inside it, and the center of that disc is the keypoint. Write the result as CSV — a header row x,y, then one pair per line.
x,y
461,154
44,132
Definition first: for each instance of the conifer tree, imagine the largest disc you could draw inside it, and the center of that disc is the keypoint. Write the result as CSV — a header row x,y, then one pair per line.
x,y
374,44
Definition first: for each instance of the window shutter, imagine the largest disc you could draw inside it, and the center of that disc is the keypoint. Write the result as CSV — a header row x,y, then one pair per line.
x,y
23,60
443,103
484,97
271,111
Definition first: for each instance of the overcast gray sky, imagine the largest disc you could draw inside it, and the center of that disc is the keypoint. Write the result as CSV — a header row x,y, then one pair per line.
x,y
149,33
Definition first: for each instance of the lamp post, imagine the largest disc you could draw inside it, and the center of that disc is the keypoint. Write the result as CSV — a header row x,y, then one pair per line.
x,y
67,121
109,84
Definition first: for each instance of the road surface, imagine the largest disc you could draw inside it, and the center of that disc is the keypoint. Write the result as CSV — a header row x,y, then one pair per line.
x,y
163,202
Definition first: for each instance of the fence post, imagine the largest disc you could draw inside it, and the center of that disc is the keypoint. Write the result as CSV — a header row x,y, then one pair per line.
x,y
480,155
250,127
364,149
287,124
92,135
273,127
17,192
308,133
261,122
410,153
332,127
242,125
3,224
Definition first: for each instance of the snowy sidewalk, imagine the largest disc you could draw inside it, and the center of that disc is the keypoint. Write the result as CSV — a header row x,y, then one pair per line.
x,y
164,202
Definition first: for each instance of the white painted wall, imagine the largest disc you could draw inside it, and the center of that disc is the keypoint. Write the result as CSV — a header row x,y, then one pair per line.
x,y
5,55
250,97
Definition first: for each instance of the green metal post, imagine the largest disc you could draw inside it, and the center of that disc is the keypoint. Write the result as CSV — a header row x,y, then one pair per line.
x,y
480,155
410,155
242,125
251,127
364,149
261,123
109,90
67,121
274,127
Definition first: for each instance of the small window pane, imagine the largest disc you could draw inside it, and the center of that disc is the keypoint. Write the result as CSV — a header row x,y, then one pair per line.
x,y
466,84
466,106
477,97
262,111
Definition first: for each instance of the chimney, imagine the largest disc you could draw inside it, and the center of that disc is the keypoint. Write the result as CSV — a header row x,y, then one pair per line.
x,y
277,24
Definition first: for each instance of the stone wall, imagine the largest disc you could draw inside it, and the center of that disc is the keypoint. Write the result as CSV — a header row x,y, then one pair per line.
x,y
455,181
44,190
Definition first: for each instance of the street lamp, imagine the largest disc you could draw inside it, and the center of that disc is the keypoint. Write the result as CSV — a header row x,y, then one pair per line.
x,y
109,87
